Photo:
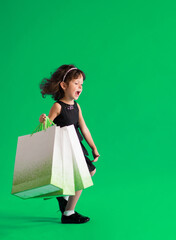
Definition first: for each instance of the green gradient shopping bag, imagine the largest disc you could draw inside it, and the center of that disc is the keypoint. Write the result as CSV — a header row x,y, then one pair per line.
x,y
76,175
82,176
38,163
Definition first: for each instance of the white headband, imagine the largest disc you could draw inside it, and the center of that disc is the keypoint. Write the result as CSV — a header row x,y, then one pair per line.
x,y
67,73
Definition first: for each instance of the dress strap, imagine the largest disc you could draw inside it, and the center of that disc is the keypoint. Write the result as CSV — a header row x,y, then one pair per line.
x,y
60,102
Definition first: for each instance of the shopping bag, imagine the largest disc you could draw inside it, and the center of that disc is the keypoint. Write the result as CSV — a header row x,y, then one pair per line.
x,y
68,181
76,175
82,177
38,163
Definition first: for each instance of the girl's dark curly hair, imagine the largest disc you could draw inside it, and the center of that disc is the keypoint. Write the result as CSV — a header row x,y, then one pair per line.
x,y
51,86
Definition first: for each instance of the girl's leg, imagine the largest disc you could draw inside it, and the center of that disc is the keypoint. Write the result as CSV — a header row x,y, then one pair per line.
x,y
93,172
73,200
69,216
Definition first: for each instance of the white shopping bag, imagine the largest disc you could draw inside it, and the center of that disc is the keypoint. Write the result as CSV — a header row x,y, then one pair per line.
x,y
76,175
68,183
82,177
38,164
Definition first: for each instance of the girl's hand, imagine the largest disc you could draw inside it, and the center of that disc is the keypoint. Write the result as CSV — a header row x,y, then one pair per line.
x,y
95,154
42,118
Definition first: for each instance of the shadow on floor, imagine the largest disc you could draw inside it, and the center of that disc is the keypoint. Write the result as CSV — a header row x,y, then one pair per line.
x,y
13,220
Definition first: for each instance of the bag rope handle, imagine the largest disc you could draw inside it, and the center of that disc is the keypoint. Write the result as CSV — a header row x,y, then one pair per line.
x,y
42,126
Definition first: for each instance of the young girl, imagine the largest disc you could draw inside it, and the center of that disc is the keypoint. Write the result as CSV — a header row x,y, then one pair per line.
x,y
65,86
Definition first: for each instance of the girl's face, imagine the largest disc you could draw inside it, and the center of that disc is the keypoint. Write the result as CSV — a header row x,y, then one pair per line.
x,y
74,88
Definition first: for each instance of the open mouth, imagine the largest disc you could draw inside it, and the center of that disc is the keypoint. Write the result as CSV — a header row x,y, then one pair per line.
x,y
78,93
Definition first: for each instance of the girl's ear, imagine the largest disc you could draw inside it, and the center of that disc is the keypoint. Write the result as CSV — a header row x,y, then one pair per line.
x,y
63,85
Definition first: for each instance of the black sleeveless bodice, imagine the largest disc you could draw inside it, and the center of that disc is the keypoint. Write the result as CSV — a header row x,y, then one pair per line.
x,y
69,115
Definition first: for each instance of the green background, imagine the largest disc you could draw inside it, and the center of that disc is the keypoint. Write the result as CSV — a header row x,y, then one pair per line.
x,y
127,50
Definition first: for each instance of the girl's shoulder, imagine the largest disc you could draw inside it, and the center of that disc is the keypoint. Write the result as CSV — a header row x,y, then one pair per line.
x,y
54,111
57,107
79,108
57,103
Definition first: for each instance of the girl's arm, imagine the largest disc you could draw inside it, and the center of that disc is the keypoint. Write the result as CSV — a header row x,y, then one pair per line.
x,y
87,135
54,112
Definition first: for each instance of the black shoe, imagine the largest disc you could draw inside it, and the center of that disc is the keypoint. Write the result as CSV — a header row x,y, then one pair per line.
x,y
62,203
74,218
78,214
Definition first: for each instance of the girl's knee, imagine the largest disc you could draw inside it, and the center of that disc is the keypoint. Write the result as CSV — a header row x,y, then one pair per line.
x,y
93,172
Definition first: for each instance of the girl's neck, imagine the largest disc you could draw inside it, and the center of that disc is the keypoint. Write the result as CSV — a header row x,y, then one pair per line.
x,y
67,101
